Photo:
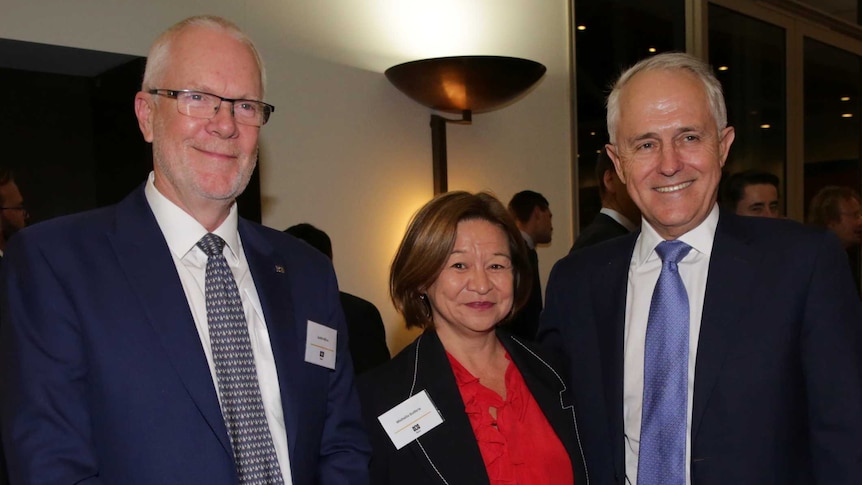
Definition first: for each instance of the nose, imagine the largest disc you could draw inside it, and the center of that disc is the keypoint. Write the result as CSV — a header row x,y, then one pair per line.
x,y
223,124
669,161
479,281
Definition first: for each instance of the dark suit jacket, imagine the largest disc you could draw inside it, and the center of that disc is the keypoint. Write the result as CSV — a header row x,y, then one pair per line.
x,y
366,333
777,396
450,451
525,323
602,228
104,379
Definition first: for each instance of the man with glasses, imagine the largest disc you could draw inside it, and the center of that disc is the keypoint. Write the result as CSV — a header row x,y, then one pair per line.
x,y
165,339
13,214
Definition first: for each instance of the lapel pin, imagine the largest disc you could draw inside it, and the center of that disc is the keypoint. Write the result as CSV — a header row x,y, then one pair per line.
x,y
279,269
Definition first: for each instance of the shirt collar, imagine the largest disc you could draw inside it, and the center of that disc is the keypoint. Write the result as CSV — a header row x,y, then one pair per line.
x,y
182,232
528,240
700,238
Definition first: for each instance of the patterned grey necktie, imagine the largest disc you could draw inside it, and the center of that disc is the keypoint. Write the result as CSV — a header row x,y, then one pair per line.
x,y
242,406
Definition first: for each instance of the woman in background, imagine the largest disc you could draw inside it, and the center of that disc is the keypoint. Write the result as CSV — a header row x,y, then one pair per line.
x,y
460,272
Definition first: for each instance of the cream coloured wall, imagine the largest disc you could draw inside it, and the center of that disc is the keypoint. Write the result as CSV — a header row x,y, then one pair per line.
x,y
345,150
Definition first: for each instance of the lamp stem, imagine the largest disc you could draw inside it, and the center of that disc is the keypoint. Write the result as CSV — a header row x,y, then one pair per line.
x,y
438,154
439,157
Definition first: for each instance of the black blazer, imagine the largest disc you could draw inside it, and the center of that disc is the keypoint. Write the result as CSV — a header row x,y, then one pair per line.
x,y
450,451
778,379
365,332
602,228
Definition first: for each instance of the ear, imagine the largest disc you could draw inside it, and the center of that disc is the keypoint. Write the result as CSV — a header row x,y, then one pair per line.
x,y
727,136
144,113
618,164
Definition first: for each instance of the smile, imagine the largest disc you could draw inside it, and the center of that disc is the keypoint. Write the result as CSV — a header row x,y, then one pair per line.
x,y
674,188
481,305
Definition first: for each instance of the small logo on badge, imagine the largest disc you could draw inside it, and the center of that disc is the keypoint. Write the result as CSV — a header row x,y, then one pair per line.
x,y
416,428
322,354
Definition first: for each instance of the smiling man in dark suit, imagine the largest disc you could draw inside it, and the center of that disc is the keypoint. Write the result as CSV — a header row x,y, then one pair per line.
x,y
708,348
165,339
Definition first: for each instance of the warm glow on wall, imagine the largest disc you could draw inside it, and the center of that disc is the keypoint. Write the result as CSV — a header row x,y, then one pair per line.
x,y
432,29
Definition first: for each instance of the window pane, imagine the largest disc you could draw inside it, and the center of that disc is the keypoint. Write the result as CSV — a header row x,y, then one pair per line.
x,y
832,80
617,33
749,58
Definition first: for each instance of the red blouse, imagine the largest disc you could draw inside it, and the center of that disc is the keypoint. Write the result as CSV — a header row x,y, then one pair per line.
x,y
522,449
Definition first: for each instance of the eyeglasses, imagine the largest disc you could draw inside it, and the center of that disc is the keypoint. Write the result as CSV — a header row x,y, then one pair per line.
x,y
198,104
21,208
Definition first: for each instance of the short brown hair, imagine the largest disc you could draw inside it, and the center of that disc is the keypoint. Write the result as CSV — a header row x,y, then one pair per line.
x,y
429,241
824,205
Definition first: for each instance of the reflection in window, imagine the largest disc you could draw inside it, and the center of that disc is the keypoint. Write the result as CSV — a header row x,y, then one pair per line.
x,y
832,102
611,35
748,56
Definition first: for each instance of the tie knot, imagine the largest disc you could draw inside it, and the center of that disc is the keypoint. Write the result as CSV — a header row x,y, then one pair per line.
x,y
672,251
211,244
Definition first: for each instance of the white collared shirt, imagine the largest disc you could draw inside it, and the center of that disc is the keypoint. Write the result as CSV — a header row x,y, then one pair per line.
x,y
643,275
182,232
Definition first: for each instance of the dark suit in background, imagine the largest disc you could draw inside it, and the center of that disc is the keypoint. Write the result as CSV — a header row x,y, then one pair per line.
x,y
602,228
525,323
365,329
366,333
450,450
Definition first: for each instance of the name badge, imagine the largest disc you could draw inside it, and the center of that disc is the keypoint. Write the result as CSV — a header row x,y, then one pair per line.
x,y
320,345
410,419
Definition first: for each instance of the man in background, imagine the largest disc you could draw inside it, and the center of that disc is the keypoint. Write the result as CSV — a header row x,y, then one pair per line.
x,y
13,214
618,216
165,339
365,330
838,209
532,214
752,193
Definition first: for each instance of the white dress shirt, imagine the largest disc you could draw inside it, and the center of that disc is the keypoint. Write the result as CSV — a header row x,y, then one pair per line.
x,y
643,275
182,233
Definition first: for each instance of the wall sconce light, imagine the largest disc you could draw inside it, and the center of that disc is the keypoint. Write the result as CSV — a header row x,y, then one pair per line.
x,y
462,85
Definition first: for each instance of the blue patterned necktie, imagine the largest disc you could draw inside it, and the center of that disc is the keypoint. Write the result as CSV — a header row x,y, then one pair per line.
x,y
661,460
242,406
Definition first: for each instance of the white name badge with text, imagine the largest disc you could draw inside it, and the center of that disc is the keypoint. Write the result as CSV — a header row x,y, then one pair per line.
x,y
320,345
410,419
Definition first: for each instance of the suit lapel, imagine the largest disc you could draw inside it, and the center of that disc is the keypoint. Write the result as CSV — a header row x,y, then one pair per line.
x,y
144,256
451,448
732,271
269,272
610,319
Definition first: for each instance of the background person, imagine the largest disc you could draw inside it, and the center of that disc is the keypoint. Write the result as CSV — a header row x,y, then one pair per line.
x,y
752,193
837,209
13,214
618,215
532,214
365,329
460,272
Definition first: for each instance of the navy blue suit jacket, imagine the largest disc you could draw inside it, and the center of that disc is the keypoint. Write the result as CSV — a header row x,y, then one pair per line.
x,y
104,379
778,381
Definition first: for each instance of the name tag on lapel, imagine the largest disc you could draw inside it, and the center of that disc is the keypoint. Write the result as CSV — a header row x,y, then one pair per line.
x,y
410,419
320,345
